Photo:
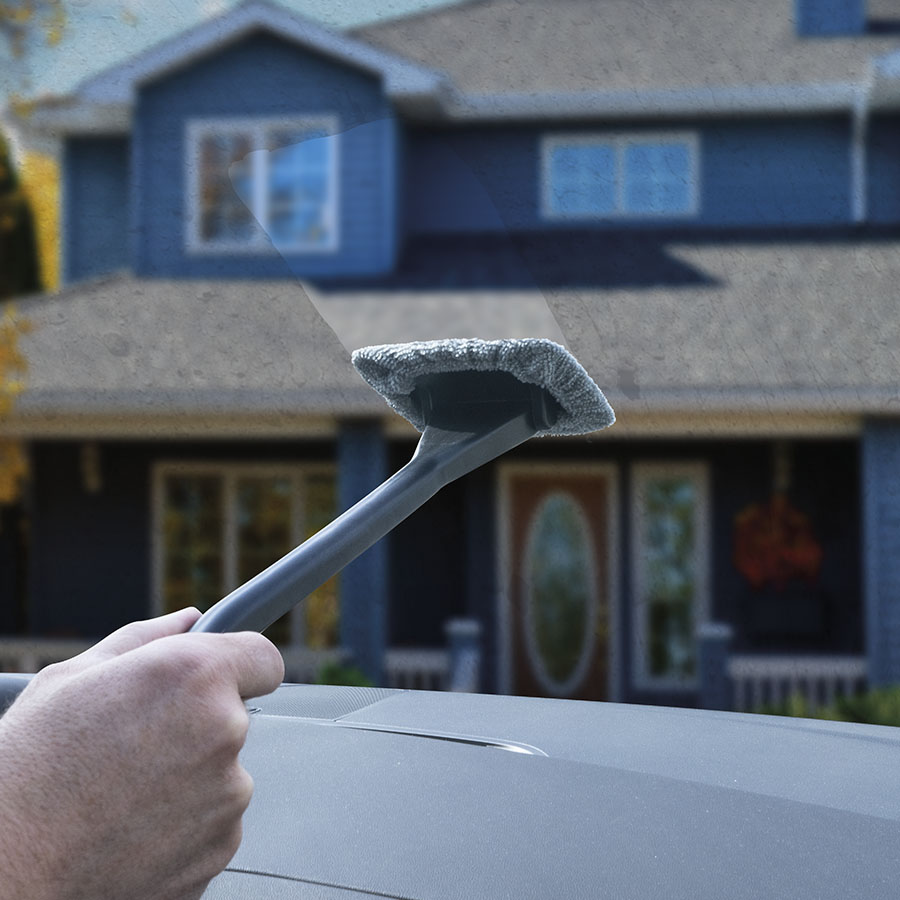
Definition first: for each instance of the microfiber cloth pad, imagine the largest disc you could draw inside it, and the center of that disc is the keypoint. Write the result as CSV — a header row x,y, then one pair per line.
x,y
394,369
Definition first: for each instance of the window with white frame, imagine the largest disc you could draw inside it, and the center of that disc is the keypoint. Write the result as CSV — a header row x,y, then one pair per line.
x,y
217,526
260,180
669,571
607,176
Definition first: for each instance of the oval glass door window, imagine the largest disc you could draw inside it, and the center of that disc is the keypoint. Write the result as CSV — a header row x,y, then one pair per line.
x,y
560,593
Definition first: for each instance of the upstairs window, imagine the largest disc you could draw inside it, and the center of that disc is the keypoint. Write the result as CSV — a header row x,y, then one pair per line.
x,y
598,177
255,183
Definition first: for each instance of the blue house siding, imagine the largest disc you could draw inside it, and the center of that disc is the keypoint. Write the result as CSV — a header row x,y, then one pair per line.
x,y
264,77
96,215
823,616
766,172
90,553
883,161
881,543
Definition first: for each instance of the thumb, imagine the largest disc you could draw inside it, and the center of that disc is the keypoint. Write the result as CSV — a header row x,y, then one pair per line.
x,y
136,634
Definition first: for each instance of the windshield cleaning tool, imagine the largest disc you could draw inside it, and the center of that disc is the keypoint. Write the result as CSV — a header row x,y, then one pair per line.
x,y
472,400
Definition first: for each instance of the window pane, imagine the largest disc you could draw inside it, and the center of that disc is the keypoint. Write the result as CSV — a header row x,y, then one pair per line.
x,y
264,534
560,600
321,608
192,542
223,215
657,178
299,191
583,180
668,556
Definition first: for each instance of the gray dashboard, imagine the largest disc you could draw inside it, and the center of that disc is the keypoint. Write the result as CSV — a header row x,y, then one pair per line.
x,y
370,792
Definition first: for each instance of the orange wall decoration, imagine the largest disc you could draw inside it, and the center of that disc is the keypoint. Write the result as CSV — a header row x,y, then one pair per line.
x,y
774,542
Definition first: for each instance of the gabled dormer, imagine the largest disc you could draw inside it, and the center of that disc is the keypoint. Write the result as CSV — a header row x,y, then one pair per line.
x,y
299,120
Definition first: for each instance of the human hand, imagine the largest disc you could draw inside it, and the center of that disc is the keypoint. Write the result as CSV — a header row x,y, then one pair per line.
x,y
119,770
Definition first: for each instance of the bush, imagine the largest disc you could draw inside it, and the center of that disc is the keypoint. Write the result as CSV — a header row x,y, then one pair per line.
x,y
339,673
880,706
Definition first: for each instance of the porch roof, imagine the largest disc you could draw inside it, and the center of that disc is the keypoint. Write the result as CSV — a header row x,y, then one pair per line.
x,y
715,324
122,345
709,322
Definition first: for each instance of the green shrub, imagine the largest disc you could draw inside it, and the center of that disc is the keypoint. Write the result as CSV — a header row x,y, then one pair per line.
x,y
880,706
340,673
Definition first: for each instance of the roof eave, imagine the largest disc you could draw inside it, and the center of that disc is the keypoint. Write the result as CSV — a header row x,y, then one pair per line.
x,y
426,97
803,99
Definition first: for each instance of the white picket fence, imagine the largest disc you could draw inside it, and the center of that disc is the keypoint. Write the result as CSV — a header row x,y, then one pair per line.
x,y
772,679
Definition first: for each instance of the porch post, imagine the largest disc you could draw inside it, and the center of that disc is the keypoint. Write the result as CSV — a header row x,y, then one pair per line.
x,y
362,466
714,644
880,473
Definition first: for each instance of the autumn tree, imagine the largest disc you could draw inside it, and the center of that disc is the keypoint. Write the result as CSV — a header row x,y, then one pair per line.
x,y
18,275
21,20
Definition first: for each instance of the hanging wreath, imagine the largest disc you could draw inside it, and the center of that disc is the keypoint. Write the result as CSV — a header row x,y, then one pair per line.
x,y
773,543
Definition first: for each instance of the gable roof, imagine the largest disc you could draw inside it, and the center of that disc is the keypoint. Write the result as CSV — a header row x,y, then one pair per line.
x,y
117,85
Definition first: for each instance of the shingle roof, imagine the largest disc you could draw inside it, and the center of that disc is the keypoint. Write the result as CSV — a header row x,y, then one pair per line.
x,y
122,345
805,322
663,321
524,46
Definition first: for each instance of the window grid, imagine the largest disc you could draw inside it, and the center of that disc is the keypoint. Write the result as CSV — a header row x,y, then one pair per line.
x,y
619,146
259,134
645,478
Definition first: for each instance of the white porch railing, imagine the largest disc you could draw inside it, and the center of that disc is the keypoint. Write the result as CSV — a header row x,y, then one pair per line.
x,y
417,669
19,654
302,665
410,668
772,679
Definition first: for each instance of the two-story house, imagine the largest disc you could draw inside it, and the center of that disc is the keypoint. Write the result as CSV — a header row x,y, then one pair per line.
x,y
700,197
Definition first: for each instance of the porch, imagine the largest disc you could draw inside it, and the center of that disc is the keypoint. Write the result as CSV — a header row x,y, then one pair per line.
x,y
745,681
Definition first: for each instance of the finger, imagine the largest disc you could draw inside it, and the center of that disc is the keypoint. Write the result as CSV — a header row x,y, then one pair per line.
x,y
136,634
254,662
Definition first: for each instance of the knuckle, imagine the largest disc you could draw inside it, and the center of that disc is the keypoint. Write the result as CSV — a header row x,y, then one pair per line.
x,y
187,664
232,841
242,788
53,673
234,723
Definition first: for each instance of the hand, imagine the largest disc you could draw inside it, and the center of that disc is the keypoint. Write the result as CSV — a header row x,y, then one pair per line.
x,y
119,771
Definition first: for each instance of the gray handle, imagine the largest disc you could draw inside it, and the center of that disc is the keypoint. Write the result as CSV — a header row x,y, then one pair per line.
x,y
441,457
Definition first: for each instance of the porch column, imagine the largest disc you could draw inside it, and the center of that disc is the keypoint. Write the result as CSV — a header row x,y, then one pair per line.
x,y
714,643
880,473
362,466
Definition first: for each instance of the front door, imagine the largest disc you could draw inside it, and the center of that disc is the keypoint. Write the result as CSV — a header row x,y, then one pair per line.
x,y
555,616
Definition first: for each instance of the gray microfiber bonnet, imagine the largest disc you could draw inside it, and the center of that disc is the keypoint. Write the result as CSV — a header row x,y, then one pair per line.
x,y
393,369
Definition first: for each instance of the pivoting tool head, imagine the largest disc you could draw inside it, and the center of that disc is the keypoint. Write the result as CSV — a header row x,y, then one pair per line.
x,y
462,383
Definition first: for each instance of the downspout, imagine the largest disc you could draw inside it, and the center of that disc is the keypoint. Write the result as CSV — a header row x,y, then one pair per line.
x,y
859,176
